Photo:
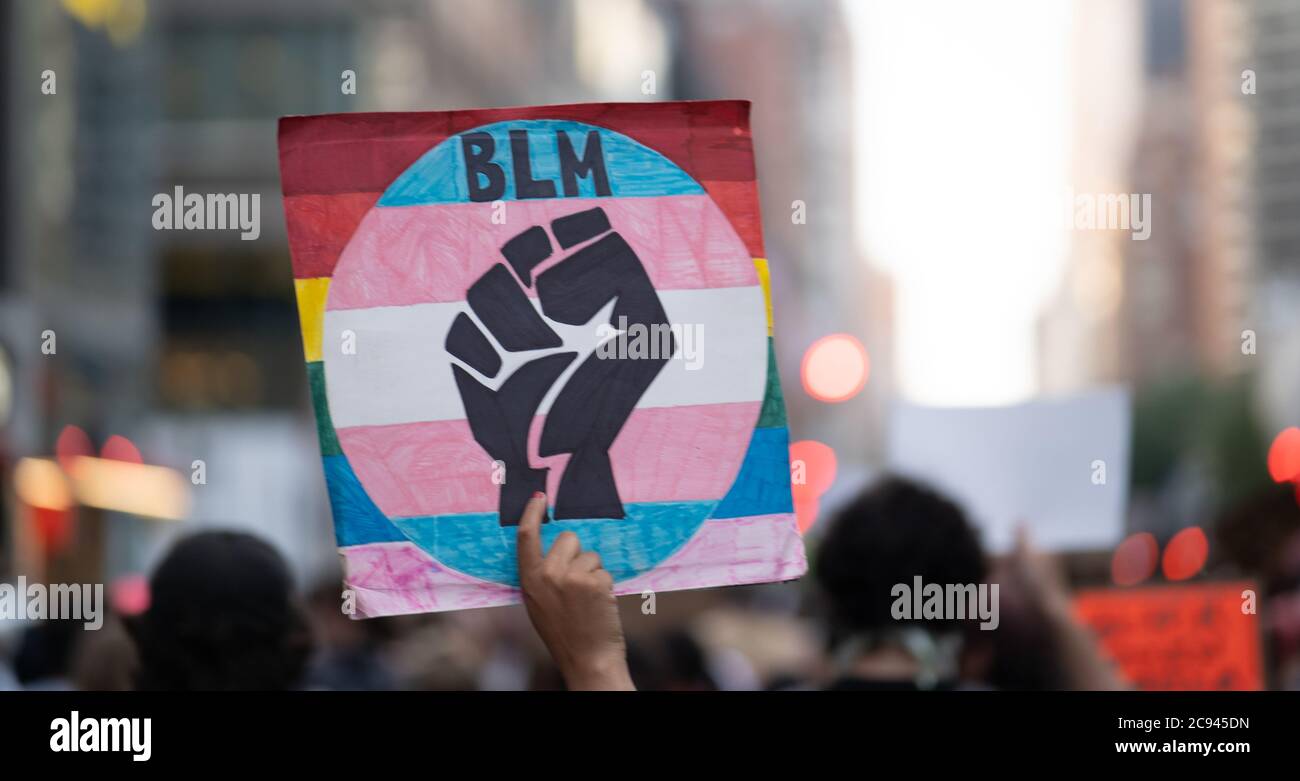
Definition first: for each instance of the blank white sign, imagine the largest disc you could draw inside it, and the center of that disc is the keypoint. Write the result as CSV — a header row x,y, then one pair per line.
x,y
1037,464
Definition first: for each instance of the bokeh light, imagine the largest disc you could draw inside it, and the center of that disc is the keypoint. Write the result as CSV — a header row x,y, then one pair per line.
x,y
72,442
120,448
129,594
1135,559
53,527
812,471
835,368
1284,456
818,463
40,483
1185,554
806,509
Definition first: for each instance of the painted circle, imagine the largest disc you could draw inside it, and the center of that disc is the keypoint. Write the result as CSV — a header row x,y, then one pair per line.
x,y
418,462
835,368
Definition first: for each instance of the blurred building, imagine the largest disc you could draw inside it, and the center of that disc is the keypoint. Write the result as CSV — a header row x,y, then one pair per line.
x,y
1080,332
1219,44
1188,285
1160,310
792,59
1274,27
186,341
1174,304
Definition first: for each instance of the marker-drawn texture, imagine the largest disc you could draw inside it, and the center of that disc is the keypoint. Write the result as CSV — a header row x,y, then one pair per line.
x,y
489,269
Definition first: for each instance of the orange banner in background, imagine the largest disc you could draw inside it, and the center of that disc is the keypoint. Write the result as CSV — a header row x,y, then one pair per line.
x,y
1184,637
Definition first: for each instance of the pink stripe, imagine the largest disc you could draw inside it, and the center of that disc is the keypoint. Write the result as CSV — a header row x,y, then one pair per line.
x,y
432,254
394,578
728,552
662,454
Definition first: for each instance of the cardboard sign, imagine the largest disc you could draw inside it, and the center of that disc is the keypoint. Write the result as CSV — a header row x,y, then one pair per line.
x,y
1058,466
569,299
1179,637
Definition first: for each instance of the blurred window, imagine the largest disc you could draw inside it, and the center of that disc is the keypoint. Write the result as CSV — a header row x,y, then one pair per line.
x,y
230,332
253,71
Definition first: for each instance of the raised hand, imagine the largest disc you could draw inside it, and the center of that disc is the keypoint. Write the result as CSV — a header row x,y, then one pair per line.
x,y
570,601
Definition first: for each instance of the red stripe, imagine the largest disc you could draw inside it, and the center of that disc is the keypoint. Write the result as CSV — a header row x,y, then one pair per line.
x,y
710,140
320,226
354,156
739,201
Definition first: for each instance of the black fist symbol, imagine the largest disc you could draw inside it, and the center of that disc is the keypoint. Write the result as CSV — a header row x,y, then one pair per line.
x,y
599,396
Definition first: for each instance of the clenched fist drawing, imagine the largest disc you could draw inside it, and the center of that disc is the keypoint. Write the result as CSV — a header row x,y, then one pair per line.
x,y
598,395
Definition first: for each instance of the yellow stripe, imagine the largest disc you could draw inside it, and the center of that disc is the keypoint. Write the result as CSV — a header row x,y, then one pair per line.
x,y
765,278
311,313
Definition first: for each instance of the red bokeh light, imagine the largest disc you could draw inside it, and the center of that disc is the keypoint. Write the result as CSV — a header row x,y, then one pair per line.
x,y
1284,456
818,467
1135,559
120,448
53,528
1185,554
812,471
129,595
835,368
805,511
72,442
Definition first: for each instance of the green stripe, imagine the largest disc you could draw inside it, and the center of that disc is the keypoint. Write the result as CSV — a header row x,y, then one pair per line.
x,y
329,441
773,412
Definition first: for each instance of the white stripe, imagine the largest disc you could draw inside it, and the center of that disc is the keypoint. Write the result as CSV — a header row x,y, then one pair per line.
x,y
400,372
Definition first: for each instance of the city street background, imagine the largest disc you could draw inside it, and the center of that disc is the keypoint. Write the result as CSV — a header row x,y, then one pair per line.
x,y
929,145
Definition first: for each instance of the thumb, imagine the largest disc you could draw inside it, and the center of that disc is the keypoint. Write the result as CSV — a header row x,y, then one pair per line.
x,y
528,540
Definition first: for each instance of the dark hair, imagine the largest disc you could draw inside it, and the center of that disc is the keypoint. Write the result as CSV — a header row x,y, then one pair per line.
x,y
222,616
673,661
45,651
890,534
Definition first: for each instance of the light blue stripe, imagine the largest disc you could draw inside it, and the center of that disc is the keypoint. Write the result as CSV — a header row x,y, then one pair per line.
x,y
477,545
763,485
634,170
357,520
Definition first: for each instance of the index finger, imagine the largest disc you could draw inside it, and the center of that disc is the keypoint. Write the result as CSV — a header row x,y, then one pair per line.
x,y
528,540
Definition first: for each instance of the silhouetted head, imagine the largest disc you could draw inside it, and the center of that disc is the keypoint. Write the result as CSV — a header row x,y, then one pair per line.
x,y
890,534
223,616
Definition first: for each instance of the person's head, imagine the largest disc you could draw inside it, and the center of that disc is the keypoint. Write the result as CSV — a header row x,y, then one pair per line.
x,y
893,533
222,616
671,661
45,651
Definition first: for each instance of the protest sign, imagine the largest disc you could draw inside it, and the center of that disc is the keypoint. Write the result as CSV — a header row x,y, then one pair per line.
x,y
1060,467
1193,637
571,299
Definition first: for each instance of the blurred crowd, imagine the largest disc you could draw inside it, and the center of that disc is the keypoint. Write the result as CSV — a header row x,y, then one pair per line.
x,y
224,613
884,220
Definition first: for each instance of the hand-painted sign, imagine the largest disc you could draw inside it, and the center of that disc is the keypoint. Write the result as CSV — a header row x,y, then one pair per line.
x,y
571,299
1180,637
